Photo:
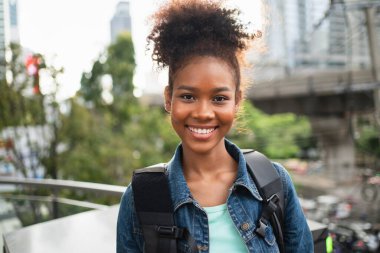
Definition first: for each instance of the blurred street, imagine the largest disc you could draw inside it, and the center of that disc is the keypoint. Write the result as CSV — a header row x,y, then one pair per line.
x,y
313,186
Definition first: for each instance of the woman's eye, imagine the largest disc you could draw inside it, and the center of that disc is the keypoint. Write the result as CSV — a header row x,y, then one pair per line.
x,y
220,99
187,97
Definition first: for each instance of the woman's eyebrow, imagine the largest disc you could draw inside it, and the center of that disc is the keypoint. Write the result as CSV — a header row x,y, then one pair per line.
x,y
186,87
215,90
221,89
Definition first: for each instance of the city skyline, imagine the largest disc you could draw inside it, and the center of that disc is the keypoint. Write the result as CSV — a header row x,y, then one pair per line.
x,y
76,36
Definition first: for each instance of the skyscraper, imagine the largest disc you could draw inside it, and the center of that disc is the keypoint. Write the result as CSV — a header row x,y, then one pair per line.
x,y
8,30
4,35
13,21
121,21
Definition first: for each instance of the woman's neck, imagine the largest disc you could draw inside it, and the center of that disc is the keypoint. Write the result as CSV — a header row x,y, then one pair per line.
x,y
206,165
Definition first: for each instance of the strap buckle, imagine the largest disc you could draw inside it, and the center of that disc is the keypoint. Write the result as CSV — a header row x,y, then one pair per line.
x,y
274,198
261,228
269,207
170,231
271,204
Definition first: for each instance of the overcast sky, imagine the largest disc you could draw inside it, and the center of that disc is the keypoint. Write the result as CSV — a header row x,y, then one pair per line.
x,y
75,32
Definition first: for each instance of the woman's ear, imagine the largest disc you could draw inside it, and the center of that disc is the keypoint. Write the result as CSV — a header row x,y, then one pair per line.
x,y
168,99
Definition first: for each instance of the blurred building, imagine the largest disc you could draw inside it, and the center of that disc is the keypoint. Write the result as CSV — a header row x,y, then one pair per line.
x,y
302,36
121,20
4,34
8,29
13,21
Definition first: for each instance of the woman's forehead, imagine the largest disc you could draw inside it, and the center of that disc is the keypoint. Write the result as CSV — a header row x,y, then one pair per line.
x,y
205,69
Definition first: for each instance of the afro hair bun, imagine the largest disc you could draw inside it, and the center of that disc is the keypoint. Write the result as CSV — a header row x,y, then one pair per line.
x,y
183,28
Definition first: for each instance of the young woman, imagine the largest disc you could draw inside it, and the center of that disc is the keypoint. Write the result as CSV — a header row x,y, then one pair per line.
x,y
212,193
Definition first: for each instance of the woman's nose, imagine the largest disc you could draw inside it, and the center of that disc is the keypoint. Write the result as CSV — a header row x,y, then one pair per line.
x,y
203,111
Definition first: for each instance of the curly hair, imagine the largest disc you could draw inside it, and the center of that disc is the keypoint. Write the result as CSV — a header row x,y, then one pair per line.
x,y
187,28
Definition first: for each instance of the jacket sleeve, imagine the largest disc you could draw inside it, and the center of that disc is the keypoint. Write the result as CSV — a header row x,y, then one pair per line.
x,y
129,235
297,235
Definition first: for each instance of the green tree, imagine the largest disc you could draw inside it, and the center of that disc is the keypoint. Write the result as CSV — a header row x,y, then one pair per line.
x,y
117,62
278,136
106,142
120,64
96,153
91,88
368,141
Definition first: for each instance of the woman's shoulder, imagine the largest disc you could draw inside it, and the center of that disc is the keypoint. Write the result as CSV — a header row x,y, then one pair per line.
x,y
127,198
285,177
281,170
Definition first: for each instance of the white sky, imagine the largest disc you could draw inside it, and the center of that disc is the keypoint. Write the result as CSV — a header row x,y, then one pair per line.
x,y
74,32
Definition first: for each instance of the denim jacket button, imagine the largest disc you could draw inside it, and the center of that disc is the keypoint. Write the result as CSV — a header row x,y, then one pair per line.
x,y
245,226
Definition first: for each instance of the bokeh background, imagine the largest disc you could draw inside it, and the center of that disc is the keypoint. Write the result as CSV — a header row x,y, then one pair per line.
x,y
81,101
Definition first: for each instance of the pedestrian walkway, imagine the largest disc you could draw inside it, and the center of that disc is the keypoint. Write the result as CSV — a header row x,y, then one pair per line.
x,y
316,182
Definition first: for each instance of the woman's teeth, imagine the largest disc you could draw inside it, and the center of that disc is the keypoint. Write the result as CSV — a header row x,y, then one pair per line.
x,y
201,130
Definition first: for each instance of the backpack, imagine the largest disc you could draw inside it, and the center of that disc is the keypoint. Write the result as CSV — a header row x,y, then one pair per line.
x,y
154,207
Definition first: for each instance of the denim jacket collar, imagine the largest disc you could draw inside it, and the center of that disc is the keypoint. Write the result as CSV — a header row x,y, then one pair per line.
x,y
182,194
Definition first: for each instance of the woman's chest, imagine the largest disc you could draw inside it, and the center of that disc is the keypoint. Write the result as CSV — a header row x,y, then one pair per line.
x,y
244,213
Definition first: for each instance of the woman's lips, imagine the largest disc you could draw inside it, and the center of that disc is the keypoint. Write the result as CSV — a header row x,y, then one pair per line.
x,y
201,133
200,130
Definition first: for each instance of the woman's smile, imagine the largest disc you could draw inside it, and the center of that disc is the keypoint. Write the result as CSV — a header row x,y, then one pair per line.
x,y
202,133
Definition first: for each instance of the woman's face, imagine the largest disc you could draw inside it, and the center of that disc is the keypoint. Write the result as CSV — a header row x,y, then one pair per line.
x,y
203,103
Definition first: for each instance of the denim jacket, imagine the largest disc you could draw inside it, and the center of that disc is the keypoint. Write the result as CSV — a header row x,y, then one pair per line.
x,y
244,205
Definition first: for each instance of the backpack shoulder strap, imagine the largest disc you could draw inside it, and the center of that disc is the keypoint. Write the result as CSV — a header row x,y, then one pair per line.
x,y
270,187
155,212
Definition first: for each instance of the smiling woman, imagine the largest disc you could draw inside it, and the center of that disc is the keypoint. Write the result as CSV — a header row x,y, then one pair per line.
x,y
203,104
214,200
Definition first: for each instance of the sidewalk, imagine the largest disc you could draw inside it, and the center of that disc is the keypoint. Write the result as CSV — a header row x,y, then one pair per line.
x,y
316,182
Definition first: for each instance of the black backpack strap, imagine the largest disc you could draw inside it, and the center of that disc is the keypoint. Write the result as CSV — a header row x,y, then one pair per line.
x,y
155,212
270,187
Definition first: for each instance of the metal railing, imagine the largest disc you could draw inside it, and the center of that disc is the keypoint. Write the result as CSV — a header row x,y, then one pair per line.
x,y
76,224
55,185
92,231
66,184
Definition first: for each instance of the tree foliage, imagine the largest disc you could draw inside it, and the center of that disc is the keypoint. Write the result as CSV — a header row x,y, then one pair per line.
x,y
97,153
106,142
278,136
118,62
368,141
91,89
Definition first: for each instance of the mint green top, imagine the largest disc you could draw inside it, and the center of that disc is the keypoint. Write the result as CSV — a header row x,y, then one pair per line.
x,y
224,237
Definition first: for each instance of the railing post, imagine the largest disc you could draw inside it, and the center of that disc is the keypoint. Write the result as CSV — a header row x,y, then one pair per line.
x,y
55,204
